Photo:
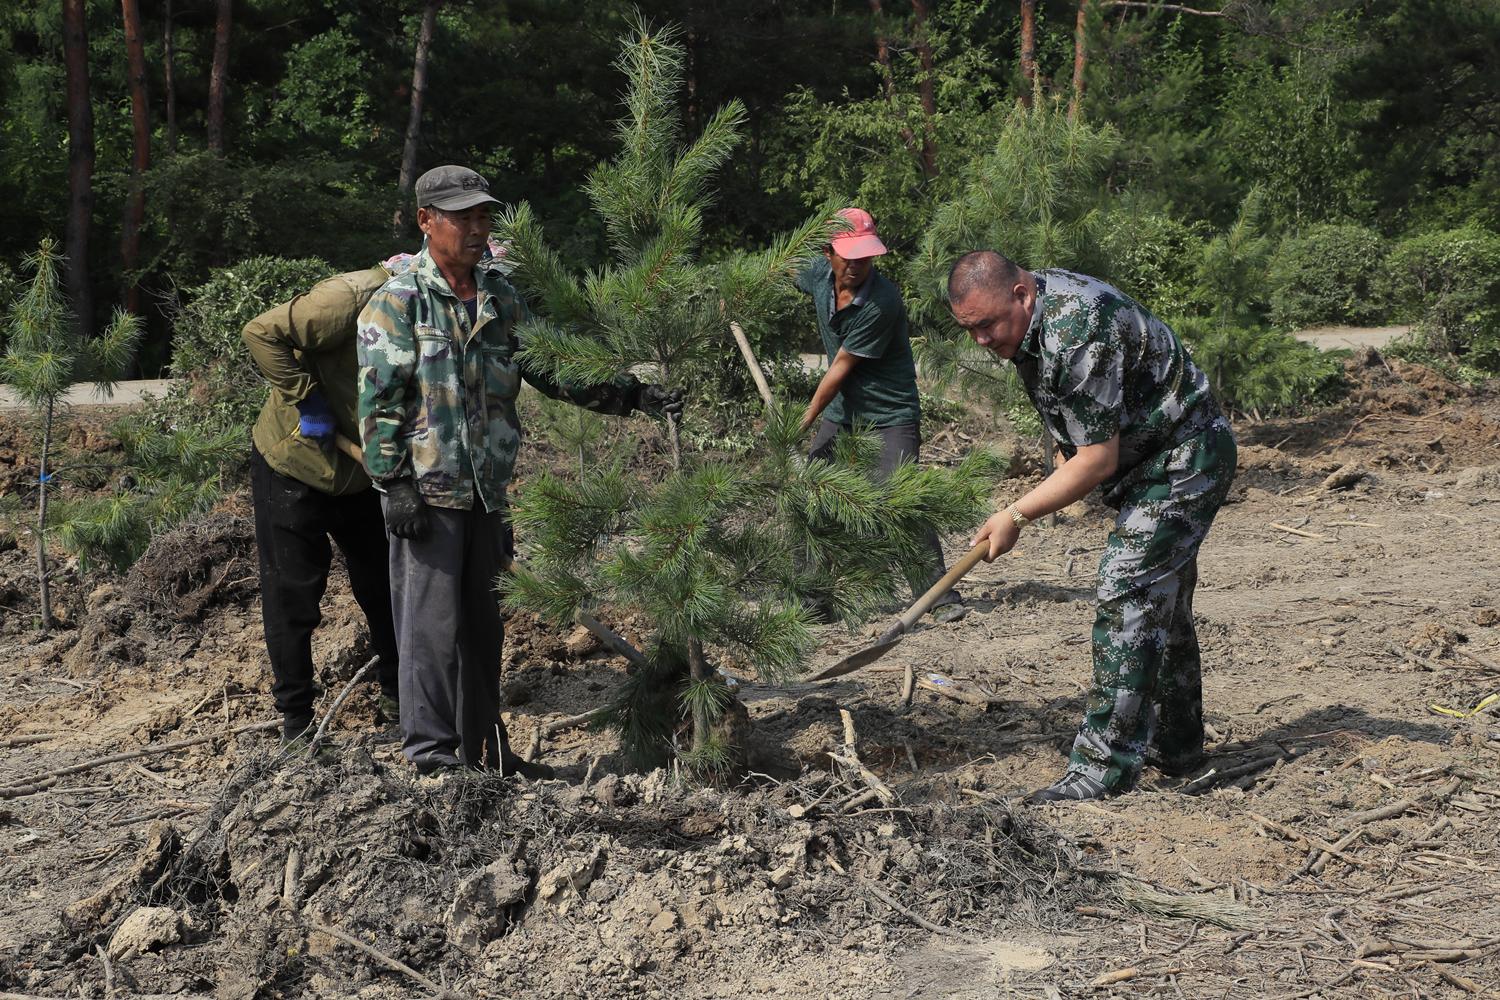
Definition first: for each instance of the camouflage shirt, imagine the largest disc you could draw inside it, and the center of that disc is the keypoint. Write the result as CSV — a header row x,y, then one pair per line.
x,y
1096,363
437,393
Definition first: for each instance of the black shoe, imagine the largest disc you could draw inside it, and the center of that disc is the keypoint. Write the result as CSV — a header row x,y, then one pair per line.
x,y
1178,767
443,769
1072,787
529,770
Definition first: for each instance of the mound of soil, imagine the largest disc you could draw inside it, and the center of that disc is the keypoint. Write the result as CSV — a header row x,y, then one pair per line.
x,y
204,563
671,886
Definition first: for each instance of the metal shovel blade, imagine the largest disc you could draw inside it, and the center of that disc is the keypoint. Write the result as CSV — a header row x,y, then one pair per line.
x,y
854,661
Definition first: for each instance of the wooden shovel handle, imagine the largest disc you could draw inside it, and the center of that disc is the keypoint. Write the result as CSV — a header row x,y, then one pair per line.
x,y
957,573
349,448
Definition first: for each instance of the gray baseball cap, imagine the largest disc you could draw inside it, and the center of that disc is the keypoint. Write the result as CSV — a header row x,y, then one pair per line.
x,y
451,188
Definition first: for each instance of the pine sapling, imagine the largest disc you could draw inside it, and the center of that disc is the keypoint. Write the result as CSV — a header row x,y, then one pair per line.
x,y
44,358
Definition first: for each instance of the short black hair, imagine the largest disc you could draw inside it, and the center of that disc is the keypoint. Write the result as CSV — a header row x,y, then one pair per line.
x,y
981,269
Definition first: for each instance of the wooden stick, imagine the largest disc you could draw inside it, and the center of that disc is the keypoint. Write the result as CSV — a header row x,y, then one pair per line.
x,y
62,772
610,638
30,738
1388,811
379,956
569,722
869,777
1420,661
849,737
1296,531
1489,664
909,684
1316,862
1214,777
755,370
890,901
109,973
312,747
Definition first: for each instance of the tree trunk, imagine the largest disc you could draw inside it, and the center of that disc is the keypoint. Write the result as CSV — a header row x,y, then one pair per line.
x,y
80,163
928,89
700,673
171,114
414,119
218,82
1080,60
1049,466
166,55
888,79
1028,48
135,205
44,590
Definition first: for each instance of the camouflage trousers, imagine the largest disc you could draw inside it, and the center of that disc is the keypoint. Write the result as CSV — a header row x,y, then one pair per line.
x,y
1147,697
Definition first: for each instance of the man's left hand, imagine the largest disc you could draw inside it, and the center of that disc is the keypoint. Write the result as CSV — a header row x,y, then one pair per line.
x,y
316,420
654,401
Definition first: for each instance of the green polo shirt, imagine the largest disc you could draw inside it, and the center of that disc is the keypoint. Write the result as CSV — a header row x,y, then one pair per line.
x,y
881,391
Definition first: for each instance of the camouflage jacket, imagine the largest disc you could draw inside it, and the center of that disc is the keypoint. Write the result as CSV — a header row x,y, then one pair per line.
x,y
1096,363
437,394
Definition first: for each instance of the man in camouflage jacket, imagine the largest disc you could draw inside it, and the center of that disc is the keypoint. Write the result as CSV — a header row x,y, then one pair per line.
x,y
306,491
1133,415
438,423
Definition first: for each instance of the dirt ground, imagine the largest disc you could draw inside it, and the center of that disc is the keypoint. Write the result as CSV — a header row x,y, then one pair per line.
x,y
1356,855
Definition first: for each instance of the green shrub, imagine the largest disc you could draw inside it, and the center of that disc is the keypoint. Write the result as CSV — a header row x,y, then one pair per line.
x,y
220,388
1448,284
1254,368
1153,259
1333,274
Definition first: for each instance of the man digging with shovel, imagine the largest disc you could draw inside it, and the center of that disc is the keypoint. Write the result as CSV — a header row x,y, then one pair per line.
x,y
1133,414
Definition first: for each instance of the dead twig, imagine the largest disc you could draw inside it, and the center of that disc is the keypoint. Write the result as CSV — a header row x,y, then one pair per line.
x,y
1486,663
39,782
890,901
359,675
109,973
610,638
379,956
30,738
570,722
1214,777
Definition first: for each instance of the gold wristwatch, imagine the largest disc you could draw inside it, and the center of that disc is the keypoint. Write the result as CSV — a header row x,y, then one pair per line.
x,y
1021,519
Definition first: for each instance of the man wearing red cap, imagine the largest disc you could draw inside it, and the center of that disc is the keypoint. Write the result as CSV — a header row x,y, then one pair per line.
x,y
871,380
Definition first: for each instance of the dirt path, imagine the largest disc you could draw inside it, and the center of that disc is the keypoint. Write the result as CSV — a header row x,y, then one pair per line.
x,y
1325,646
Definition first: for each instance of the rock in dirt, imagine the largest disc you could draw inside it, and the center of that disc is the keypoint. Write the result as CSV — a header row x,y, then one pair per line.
x,y
581,643
104,906
1345,477
1479,479
481,909
147,928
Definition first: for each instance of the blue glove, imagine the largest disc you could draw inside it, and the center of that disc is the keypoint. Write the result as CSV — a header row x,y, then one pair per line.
x,y
317,420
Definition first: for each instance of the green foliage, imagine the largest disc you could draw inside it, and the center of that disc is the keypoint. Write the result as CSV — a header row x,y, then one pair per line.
x,y
977,375
655,304
168,477
1035,199
733,554
1154,259
1448,284
573,428
1333,274
1257,368
221,390
45,356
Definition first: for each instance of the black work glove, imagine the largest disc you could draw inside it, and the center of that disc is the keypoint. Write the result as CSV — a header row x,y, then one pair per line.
x,y
654,401
405,510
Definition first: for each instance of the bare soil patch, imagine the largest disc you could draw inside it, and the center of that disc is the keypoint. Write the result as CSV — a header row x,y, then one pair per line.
x,y
1359,861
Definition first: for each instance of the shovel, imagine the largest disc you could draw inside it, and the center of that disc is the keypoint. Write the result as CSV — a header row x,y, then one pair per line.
x,y
892,636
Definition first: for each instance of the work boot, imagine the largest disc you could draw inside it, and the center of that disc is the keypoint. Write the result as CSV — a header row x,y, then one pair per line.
x,y
945,613
387,710
296,738
1072,787
530,770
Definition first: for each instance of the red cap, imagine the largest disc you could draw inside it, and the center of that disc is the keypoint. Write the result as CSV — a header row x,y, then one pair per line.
x,y
859,241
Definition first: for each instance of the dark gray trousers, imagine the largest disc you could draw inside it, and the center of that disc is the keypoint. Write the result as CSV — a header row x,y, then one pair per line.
x,y
897,444
451,636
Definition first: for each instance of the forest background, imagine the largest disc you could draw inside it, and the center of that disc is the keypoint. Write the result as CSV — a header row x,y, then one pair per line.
x,y
1355,141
